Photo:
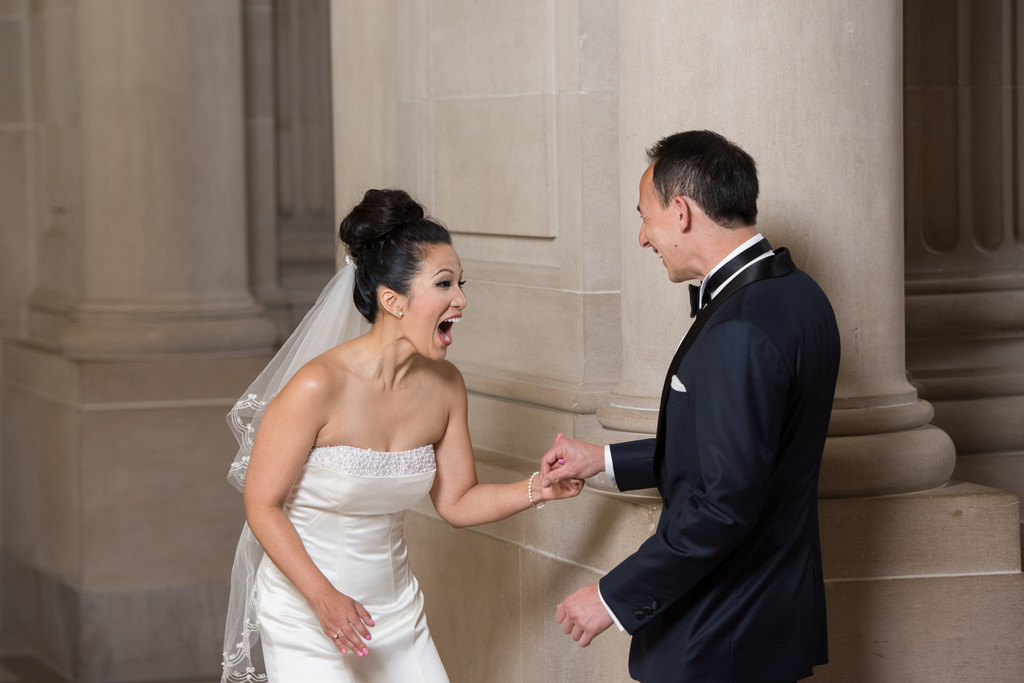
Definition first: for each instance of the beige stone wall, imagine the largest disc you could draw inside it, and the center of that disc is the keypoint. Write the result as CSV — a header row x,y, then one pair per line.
x,y
508,136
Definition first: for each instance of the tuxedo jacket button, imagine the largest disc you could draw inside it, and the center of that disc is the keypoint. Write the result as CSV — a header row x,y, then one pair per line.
x,y
654,604
639,615
648,610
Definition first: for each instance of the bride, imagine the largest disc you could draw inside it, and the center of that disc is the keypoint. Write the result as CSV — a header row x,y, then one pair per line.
x,y
357,432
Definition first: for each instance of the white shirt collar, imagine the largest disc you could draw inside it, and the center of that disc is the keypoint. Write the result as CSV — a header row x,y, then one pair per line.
x,y
735,252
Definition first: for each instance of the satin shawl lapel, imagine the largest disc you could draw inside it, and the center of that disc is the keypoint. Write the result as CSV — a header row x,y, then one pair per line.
x,y
774,266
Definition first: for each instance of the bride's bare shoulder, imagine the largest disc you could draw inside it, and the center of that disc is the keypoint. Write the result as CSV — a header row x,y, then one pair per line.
x,y
321,377
448,378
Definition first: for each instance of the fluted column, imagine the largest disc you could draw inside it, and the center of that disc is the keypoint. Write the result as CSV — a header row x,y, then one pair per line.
x,y
965,245
814,92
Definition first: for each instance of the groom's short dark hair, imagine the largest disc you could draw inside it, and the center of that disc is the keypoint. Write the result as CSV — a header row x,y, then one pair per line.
x,y
712,171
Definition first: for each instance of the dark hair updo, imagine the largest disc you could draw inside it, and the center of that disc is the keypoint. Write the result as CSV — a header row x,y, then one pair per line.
x,y
387,235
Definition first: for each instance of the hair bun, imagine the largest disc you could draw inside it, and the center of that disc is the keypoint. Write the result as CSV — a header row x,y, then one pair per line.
x,y
377,215
385,235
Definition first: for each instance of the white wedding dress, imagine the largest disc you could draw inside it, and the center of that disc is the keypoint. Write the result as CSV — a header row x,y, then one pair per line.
x,y
349,509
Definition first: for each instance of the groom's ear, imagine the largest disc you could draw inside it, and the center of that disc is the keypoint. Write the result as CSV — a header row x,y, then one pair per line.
x,y
683,211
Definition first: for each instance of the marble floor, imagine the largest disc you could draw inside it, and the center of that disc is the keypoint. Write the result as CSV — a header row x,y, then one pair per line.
x,y
16,668
22,669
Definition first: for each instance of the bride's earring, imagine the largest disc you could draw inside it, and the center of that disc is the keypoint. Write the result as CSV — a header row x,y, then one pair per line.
x,y
399,314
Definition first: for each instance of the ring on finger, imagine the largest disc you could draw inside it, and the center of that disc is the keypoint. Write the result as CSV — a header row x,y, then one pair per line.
x,y
335,635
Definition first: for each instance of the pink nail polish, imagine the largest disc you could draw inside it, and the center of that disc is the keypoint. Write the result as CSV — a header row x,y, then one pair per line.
x,y
366,650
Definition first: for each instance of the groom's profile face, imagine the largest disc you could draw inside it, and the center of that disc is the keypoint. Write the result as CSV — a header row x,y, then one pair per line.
x,y
661,227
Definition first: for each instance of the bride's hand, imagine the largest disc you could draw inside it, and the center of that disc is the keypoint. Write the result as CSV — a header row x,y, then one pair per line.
x,y
345,621
566,488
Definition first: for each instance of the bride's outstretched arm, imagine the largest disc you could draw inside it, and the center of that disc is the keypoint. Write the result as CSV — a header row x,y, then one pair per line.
x,y
286,434
458,497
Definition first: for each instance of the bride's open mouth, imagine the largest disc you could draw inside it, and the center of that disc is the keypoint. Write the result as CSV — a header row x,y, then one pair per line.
x,y
444,330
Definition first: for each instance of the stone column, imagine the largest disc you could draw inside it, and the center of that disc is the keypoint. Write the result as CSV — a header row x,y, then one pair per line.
x,y
831,192
965,261
118,525
163,180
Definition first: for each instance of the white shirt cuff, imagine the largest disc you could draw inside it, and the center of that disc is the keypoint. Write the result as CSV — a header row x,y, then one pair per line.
x,y
609,470
611,613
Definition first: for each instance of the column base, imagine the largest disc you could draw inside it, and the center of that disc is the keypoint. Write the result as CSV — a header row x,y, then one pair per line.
x,y
120,635
955,628
630,414
99,331
115,337
923,586
119,526
883,464
957,529
989,440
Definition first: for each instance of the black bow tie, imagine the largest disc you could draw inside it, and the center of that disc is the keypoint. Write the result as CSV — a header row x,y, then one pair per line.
x,y
694,300
728,269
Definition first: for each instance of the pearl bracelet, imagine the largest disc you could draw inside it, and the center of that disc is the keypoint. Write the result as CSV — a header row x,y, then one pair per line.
x,y
529,492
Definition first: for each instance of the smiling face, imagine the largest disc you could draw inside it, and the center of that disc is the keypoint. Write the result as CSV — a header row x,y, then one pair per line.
x,y
435,302
662,229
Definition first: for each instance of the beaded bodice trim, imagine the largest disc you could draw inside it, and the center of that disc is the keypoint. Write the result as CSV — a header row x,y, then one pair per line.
x,y
362,462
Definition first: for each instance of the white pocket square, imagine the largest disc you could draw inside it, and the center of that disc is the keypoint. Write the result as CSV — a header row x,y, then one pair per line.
x,y
677,385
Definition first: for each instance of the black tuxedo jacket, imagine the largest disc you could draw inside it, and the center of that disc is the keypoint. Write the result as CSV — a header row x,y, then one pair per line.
x,y
729,587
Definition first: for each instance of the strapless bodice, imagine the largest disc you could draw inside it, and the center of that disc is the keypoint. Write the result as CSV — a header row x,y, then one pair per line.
x,y
348,506
357,481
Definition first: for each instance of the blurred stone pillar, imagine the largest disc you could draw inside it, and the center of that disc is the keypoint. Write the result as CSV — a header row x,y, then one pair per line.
x,y
965,245
305,151
262,163
163,183
818,165
289,155
119,526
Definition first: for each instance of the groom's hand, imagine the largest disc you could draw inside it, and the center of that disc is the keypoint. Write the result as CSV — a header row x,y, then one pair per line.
x,y
583,616
570,459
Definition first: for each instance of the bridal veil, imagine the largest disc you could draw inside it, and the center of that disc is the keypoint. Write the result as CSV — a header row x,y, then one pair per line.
x,y
332,320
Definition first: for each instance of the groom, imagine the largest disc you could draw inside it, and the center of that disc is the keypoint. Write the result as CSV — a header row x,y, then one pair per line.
x,y
729,587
